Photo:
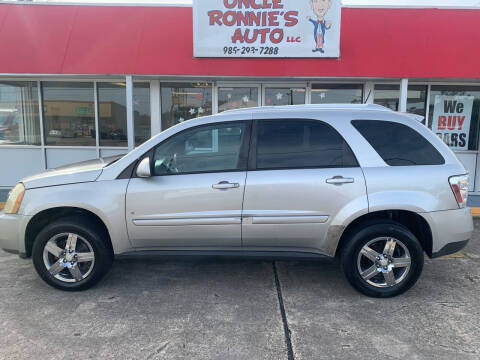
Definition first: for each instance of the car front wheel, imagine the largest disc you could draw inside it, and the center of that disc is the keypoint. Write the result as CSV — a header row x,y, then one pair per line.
x,y
72,254
382,260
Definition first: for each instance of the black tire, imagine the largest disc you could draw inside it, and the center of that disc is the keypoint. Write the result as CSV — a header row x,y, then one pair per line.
x,y
361,235
94,234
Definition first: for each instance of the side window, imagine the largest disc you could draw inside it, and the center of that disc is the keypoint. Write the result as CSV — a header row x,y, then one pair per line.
x,y
301,144
398,144
207,148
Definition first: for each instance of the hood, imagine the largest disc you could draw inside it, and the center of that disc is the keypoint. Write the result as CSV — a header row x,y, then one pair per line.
x,y
85,171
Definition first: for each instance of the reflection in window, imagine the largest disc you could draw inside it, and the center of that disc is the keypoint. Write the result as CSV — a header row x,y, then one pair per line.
x,y
237,98
283,144
444,100
69,113
284,96
19,119
112,111
417,99
141,108
185,101
337,93
387,95
208,148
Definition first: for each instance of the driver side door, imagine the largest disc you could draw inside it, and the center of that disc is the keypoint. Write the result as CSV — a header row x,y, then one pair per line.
x,y
194,197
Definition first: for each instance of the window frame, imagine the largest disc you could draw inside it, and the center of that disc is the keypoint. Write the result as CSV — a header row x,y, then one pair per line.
x,y
243,155
252,156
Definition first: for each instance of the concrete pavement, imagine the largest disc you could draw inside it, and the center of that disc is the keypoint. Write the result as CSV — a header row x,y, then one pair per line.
x,y
210,308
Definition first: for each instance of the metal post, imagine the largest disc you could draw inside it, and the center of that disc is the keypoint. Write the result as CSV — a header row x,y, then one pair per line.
x,y
42,129
368,94
155,110
130,126
97,117
308,93
427,110
403,95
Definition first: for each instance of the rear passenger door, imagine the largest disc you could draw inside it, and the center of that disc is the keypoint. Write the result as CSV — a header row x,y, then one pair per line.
x,y
301,174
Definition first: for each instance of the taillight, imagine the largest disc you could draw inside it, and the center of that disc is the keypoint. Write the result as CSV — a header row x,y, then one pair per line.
x,y
459,185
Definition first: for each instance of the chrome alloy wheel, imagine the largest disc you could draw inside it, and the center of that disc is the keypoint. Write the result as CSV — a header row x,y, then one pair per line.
x,y
384,262
68,257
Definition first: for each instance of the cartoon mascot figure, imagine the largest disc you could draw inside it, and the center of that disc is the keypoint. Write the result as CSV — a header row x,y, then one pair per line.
x,y
320,9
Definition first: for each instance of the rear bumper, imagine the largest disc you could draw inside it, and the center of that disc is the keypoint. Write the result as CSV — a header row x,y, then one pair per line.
x,y
451,230
12,232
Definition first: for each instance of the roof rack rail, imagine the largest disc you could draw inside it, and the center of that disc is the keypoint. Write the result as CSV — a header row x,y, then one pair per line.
x,y
313,107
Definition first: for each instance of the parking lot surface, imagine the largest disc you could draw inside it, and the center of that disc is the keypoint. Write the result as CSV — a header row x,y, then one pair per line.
x,y
222,308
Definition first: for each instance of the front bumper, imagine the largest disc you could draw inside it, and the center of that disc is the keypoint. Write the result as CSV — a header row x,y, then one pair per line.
x,y
12,232
451,230
450,248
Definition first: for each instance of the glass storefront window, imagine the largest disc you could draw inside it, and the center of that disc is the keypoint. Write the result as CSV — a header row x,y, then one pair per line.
x,y
284,96
112,111
454,115
417,99
19,118
387,95
230,98
69,113
185,101
337,93
141,108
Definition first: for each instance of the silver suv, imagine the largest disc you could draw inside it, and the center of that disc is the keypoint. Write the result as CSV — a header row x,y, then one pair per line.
x,y
374,187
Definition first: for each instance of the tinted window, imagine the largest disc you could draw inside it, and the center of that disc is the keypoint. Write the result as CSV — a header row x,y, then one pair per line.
x,y
209,148
301,144
112,114
69,113
398,144
141,109
337,94
387,95
19,118
185,101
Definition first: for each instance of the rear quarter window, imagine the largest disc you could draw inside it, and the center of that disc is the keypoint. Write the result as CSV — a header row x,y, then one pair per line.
x,y
398,144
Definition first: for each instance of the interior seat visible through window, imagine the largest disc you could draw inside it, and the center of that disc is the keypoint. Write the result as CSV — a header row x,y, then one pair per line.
x,y
209,148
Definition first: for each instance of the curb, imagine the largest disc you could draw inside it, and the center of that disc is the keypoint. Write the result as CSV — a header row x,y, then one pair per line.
x,y
475,211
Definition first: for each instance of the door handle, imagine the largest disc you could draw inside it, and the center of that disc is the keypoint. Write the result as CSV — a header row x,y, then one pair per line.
x,y
222,185
339,180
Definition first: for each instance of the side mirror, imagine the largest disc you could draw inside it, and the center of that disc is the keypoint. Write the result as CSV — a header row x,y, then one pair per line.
x,y
143,169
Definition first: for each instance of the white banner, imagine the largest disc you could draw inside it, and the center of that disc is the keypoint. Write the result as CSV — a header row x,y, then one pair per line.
x,y
451,120
266,28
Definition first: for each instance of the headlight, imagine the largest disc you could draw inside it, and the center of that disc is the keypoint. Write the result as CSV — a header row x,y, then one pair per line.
x,y
14,199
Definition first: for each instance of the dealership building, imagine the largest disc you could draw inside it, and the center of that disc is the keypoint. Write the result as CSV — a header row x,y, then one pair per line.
x,y
78,82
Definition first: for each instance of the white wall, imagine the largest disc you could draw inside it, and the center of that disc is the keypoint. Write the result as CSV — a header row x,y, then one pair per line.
x,y
17,163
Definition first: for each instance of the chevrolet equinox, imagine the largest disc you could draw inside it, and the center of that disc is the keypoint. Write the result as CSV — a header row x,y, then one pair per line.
x,y
373,187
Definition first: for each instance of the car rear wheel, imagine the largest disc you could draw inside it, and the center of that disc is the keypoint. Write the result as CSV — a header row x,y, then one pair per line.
x,y
72,254
382,260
